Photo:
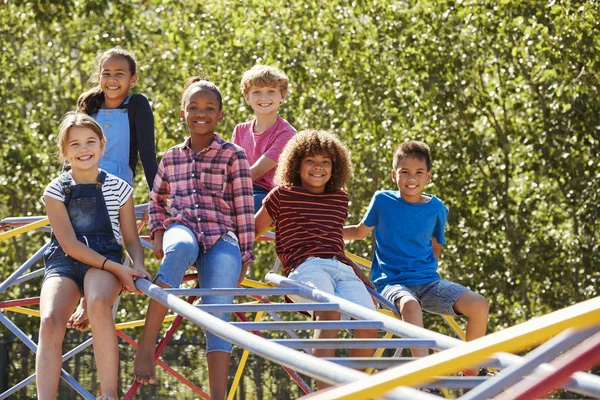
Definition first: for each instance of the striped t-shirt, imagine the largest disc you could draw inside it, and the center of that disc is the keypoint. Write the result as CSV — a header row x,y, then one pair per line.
x,y
115,190
308,224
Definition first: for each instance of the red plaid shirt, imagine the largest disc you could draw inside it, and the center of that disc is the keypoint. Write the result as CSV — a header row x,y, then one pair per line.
x,y
209,192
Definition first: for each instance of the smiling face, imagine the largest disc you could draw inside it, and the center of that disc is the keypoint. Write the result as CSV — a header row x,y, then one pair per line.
x,y
116,79
83,148
315,172
201,111
264,100
411,176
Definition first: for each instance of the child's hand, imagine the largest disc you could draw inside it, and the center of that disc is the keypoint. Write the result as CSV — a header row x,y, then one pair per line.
x,y
243,273
157,247
127,276
142,269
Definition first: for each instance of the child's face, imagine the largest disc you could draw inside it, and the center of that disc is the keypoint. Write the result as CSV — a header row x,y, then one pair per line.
x,y
83,148
315,172
116,78
201,113
411,176
264,100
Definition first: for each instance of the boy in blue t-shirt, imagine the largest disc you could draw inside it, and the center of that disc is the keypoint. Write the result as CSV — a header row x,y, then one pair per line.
x,y
409,232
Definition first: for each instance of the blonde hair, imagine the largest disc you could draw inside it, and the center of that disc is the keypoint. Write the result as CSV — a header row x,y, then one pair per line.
x,y
264,75
72,119
309,143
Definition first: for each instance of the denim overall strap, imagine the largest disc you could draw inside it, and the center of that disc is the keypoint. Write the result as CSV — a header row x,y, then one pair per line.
x,y
87,209
115,124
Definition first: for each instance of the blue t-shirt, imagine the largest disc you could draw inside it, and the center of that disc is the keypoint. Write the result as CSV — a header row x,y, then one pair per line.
x,y
403,251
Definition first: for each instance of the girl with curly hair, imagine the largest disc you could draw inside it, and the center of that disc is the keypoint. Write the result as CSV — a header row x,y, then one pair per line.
x,y
310,207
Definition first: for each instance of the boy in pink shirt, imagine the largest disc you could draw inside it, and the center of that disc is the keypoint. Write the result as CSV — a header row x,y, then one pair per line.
x,y
264,137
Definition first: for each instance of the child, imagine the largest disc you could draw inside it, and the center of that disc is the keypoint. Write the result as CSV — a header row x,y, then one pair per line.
x,y
409,232
127,121
128,125
310,208
208,222
264,137
87,209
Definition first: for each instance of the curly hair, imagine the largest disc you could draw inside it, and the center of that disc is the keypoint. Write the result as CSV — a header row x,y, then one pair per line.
x,y
309,143
264,75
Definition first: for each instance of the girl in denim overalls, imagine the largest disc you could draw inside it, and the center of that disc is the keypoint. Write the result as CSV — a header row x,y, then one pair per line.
x,y
128,125
87,208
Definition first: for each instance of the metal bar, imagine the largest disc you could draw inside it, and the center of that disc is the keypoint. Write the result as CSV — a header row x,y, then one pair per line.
x,y
33,347
15,275
544,353
29,276
230,292
19,302
372,362
582,356
307,325
295,307
298,361
23,229
354,343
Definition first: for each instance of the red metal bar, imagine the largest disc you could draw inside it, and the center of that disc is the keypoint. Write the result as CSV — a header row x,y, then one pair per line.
x,y
19,302
167,368
581,357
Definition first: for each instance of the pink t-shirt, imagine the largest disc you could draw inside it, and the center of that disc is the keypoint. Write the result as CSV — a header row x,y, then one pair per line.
x,y
269,143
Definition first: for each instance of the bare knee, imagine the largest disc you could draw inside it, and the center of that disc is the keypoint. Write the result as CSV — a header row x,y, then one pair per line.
x,y
52,326
98,304
408,306
472,305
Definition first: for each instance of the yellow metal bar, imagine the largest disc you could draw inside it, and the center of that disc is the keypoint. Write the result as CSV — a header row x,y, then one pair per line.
x,y
454,325
470,354
24,228
360,260
242,364
379,353
256,284
24,310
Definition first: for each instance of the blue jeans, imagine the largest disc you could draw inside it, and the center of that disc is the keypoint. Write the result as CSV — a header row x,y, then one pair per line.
x,y
259,195
219,267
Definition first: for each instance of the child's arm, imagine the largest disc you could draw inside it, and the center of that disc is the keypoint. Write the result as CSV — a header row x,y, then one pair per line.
x,y
358,232
263,165
437,248
131,239
262,221
63,230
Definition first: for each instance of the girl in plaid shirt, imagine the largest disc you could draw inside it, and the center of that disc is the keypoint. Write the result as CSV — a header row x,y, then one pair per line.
x,y
201,213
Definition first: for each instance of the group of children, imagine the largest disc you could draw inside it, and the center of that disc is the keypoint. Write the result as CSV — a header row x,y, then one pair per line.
x,y
209,199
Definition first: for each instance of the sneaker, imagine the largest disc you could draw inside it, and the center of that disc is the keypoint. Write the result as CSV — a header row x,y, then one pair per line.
x,y
485,372
433,391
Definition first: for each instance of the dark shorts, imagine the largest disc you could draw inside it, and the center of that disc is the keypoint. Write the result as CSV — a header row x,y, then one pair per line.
x,y
57,263
437,297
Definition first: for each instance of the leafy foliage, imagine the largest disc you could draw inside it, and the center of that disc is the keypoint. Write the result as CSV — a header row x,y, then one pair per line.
x,y
506,94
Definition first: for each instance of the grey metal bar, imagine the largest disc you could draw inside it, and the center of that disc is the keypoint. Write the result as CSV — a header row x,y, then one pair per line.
x,y
298,361
307,325
290,332
580,382
33,347
354,343
231,292
268,307
15,275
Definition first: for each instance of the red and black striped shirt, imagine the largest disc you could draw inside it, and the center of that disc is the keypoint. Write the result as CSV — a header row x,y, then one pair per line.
x,y
308,224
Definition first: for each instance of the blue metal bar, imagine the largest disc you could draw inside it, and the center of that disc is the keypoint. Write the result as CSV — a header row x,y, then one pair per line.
x,y
29,276
303,363
231,292
544,353
15,275
354,343
268,307
29,343
307,325
290,332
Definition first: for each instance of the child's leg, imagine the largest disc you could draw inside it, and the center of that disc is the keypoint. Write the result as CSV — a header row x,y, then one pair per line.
x,y
101,289
57,300
476,308
181,250
325,334
220,267
411,312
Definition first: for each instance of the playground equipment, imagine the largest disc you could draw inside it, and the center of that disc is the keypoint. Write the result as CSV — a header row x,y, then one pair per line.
x,y
397,377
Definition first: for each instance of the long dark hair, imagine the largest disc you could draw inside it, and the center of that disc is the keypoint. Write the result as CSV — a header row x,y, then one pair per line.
x,y
91,101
